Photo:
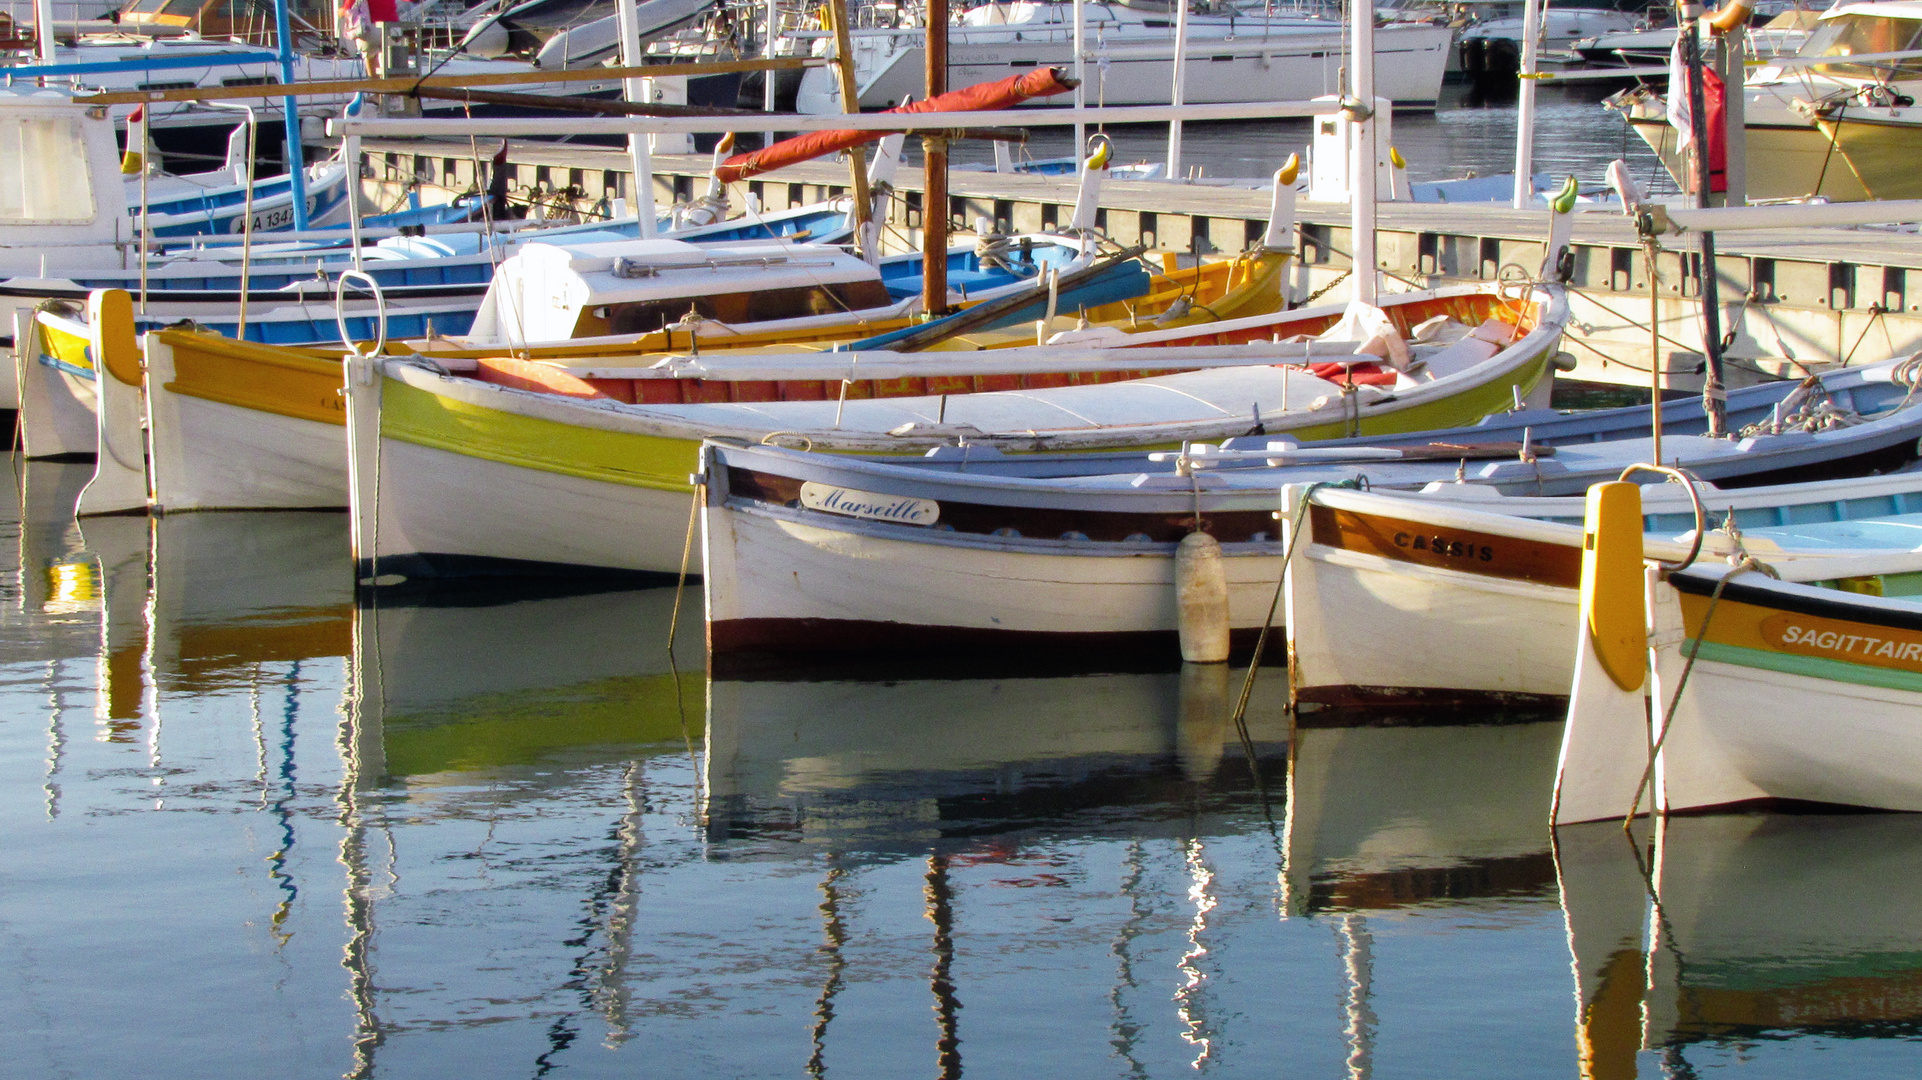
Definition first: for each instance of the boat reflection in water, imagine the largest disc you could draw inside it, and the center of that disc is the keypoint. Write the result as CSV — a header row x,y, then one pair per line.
x,y
1768,928
1382,818
461,829
469,706
965,774
460,681
887,766
1029,783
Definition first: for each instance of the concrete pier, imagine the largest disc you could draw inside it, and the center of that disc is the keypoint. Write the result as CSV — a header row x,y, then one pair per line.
x,y
1794,299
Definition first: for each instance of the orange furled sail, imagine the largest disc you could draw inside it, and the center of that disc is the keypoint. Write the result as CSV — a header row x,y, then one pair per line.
x,y
1001,94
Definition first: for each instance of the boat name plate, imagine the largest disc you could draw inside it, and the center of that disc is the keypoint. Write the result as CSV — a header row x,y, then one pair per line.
x,y
835,499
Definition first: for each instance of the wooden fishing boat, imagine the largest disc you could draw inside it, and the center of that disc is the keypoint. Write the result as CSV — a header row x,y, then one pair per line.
x,y
1001,553
1500,576
618,472
431,285
1791,682
237,425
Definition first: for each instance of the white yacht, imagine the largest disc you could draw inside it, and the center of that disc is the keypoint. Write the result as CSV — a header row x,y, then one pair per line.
x,y
1561,27
1782,33
1838,130
1234,54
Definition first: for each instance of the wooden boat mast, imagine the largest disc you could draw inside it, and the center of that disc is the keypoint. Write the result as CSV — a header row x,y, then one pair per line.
x,y
934,166
1714,397
837,10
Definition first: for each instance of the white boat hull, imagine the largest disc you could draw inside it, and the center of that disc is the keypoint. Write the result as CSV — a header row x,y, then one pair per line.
x,y
1743,735
1410,61
776,581
1368,630
440,512
209,455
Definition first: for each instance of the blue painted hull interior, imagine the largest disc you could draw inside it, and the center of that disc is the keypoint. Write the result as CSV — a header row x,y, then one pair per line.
x,y
388,262
968,273
1545,427
326,332
1123,282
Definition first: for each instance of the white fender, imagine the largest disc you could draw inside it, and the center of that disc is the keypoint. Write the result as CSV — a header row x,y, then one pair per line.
x,y
1201,599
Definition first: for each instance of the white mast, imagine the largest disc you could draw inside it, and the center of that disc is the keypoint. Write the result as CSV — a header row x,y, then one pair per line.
x,y
1361,172
1525,120
637,146
1080,84
767,51
43,29
1179,91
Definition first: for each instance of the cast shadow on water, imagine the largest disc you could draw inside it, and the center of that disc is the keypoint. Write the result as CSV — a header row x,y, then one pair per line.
x,y
1159,852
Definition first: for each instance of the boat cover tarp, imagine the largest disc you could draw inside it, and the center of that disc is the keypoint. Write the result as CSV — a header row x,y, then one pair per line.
x,y
1002,94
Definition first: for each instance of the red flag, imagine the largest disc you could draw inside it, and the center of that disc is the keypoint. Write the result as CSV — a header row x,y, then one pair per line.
x,y
1715,104
383,11
1005,93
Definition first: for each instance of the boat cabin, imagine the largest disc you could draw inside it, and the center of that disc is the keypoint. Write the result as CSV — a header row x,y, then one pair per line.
x,y
59,173
552,292
1862,29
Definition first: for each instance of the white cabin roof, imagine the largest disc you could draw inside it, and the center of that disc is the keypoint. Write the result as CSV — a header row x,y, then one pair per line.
x,y
541,292
1887,9
638,270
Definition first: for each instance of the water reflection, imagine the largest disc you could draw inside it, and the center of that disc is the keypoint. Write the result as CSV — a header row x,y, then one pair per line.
x,y
1385,818
881,767
500,834
463,707
1734,931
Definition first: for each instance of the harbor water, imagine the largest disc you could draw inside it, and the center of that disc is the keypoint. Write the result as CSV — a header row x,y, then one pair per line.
x,y
253,829
1575,135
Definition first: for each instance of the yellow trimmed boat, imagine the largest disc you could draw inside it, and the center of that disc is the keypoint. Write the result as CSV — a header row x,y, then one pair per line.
x,y
481,469
242,425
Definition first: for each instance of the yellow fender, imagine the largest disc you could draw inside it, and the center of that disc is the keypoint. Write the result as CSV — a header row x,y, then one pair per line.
x,y
1612,596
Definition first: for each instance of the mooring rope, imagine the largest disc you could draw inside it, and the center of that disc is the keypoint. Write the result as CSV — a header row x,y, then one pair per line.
x,y
1742,562
1274,603
687,550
